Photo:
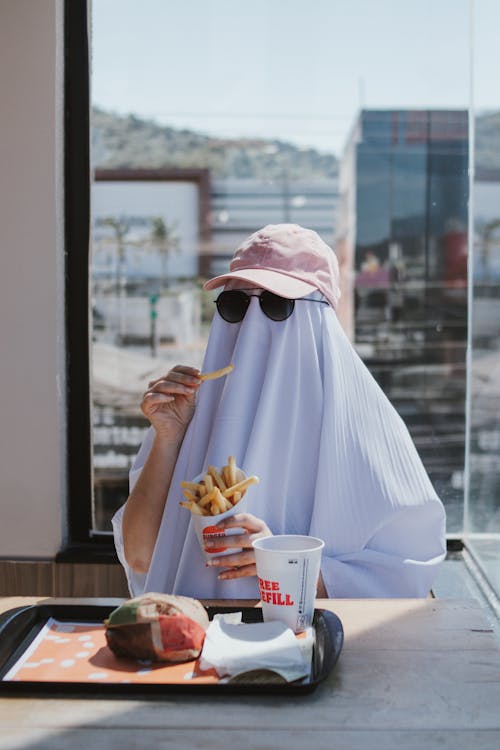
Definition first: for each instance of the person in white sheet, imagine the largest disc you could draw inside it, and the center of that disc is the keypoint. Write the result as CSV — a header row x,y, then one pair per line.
x,y
301,411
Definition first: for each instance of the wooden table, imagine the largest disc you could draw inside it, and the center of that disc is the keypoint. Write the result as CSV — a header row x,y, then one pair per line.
x,y
413,674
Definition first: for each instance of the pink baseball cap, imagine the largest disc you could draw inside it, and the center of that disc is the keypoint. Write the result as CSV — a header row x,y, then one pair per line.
x,y
285,259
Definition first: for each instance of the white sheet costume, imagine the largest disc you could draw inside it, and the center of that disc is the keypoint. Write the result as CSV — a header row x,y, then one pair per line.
x,y
334,458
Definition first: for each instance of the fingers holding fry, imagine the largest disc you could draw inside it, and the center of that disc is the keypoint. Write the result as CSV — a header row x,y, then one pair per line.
x,y
218,491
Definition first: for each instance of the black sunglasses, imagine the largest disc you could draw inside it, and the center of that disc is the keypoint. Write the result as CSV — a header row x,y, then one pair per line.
x,y
232,305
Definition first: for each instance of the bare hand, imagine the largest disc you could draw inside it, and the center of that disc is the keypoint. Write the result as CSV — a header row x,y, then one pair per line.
x,y
240,564
169,401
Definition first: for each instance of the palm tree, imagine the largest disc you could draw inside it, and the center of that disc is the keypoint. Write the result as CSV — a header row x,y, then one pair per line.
x,y
164,241
120,227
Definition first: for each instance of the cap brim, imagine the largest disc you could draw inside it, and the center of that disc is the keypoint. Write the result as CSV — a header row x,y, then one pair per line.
x,y
279,283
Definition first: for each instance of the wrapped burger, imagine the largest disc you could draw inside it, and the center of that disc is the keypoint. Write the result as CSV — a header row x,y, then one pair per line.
x,y
157,627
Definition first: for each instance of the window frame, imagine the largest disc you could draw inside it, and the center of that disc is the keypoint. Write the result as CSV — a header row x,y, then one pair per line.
x,y
78,545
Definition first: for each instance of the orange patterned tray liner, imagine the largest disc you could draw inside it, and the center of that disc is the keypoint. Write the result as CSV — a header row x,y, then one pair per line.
x,y
78,652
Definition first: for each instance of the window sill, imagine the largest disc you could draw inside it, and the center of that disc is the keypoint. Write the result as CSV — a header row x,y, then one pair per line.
x,y
102,553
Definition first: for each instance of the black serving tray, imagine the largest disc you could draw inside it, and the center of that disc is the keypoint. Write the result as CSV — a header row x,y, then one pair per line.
x,y
19,627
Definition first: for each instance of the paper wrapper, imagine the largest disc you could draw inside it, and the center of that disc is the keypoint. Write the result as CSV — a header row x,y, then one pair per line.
x,y
233,648
157,627
205,526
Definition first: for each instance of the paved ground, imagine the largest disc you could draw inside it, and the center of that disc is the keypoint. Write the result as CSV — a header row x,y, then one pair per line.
x,y
120,375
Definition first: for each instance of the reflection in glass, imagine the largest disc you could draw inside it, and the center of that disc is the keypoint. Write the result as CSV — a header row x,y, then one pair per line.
x,y
402,234
483,517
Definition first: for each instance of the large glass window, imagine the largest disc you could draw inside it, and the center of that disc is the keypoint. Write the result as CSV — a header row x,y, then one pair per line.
x,y
210,120
270,131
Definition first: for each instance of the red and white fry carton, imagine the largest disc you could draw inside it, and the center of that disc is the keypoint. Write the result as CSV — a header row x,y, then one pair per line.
x,y
288,567
205,526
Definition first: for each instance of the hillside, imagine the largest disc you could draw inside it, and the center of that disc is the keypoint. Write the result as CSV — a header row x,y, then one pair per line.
x,y
132,142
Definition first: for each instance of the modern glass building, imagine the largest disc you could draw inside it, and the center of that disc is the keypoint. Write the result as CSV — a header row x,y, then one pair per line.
x,y
402,245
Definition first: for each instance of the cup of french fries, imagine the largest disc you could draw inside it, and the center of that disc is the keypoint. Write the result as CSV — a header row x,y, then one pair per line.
x,y
213,496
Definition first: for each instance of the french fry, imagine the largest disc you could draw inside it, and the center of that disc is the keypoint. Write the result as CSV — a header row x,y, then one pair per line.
x,y
240,486
193,507
195,486
231,465
218,491
216,504
217,478
207,499
225,475
217,373
222,501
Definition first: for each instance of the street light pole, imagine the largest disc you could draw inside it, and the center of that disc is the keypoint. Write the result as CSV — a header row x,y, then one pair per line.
x,y
153,315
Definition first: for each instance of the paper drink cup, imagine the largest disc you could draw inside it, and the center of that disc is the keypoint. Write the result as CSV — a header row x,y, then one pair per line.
x,y
204,525
288,567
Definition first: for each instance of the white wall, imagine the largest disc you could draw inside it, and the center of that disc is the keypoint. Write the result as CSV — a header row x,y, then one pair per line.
x,y
31,279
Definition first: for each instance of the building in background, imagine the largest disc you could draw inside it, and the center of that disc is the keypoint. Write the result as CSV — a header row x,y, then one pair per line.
x,y
401,239
241,206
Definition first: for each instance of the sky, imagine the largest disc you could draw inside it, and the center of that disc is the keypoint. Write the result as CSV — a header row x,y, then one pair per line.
x,y
290,69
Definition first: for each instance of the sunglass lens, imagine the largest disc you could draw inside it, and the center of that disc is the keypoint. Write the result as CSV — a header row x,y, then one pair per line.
x,y
232,306
276,308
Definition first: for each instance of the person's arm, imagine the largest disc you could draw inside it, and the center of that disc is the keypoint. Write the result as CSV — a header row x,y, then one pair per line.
x,y
145,505
169,405
400,560
321,591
